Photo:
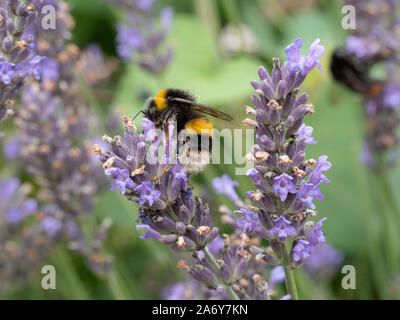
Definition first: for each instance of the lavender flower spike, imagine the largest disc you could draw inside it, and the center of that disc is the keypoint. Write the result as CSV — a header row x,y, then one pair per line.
x,y
287,182
52,140
139,40
17,59
375,44
23,244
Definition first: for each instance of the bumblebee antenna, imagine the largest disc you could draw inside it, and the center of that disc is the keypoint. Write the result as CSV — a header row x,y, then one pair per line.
x,y
141,111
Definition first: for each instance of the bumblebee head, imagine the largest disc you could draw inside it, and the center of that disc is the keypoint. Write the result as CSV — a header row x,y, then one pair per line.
x,y
149,109
153,107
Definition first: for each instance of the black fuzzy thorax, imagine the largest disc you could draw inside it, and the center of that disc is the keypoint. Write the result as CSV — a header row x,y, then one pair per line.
x,y
182,111
350,71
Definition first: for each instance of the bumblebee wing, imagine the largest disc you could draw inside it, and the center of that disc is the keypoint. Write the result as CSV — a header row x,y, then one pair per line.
x,y
205,109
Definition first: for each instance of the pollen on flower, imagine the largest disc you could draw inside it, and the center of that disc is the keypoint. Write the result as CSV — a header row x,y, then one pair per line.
x,y
300,216
285,160
225,219
62,57
138,171
259,258
109,163
107,139
223,209
235,240
388,141
28,149
84,168
300,173
257,278
255,241
312,213
245,239
310,109
129,123
31,7
49,85
260,93
257,196
203,230
58,164
10,113
311,163
274,105
250,157
309,224
97,149
249,123
74,152
262,156
274,216
73,50
180,242
245,253
44,149
182,264
250,110
244,283
21,44
9,103
117,141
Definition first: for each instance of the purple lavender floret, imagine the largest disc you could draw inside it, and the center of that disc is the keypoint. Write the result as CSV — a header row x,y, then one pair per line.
x,y
304,134
297,62
323,264
249,222
301,251
225,185
283,185
287,182
121,179
283,229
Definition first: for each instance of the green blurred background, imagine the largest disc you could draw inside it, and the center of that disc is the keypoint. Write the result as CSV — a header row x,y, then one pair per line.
x,y
143,268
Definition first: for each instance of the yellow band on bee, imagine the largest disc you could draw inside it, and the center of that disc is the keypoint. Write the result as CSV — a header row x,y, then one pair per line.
x,y
160,100
200,125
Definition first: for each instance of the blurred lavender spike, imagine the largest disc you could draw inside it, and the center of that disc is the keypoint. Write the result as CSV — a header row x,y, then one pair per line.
x,y
375,43
18,60
141,37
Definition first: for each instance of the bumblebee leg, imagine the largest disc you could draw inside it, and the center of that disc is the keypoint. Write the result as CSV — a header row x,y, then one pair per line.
x,y
164,171
188,183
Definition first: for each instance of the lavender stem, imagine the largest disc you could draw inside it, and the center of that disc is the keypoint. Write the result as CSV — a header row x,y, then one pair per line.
x,y
115,286
391,235
229,289
290,280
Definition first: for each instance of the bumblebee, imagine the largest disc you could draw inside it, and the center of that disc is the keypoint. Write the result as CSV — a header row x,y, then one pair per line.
x,y
194,130
353,73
